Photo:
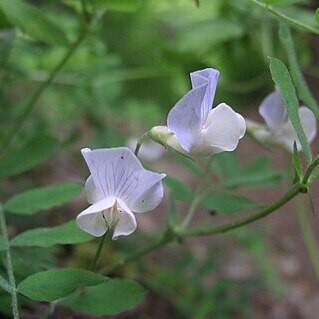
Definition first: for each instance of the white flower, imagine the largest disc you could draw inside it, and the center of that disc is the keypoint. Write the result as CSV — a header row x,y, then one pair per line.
x,y
193,127
117,187
149,151
279,131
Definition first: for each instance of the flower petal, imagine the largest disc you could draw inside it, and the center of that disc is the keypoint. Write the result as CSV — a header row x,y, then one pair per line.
x,y
149,199
111,169
147,194
308,122
288,135
127,222
199,78
91,219
184,119
91,192
223,129
273,111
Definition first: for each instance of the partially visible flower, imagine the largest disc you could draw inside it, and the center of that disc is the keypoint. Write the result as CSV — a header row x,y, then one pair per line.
x,y
117,187
279,131
193,127
149,151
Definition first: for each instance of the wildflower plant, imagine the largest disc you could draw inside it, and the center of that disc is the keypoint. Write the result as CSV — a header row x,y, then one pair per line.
x,y
118,187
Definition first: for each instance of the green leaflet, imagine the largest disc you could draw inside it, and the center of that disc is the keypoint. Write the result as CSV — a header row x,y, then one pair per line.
x,y
36,200
109,298
281,77
54,284
68,233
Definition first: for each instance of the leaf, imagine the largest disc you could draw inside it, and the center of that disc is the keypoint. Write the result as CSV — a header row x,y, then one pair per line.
x,y
299,81
34,153
36,200
33,22
317,16
29,261
109,298
281,77
68,233
180,191
120,5
228,203
54,284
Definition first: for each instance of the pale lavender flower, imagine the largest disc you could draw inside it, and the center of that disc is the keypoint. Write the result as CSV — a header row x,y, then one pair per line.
x,y
117,187
194,127
279,130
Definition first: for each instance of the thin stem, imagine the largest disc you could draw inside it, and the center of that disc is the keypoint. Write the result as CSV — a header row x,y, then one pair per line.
x,y
98,253
309,170
197,196
5,285
308,235
140,143
295,190
191,212
29,106
285,17
14,298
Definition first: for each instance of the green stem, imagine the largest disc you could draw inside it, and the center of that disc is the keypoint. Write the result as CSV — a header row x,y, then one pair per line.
x,y
29,106
14,298
248,220
98,253
192,210
210,231
5,285
197,197
309,170
308,236
285,17
140,142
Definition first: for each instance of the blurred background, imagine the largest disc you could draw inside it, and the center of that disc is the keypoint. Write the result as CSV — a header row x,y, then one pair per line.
x,y
130,66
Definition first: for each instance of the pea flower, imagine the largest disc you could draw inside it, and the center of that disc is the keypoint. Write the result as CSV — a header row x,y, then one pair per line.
x,y
194,127
117,187
279,131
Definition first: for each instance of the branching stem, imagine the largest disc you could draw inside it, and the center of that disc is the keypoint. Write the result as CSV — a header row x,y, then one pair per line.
x,y
13,291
